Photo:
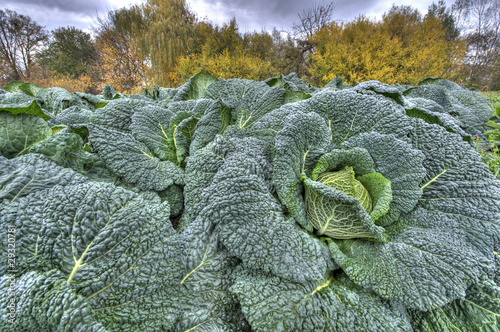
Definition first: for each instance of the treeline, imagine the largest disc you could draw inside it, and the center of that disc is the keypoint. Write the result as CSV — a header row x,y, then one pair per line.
x,y
162,42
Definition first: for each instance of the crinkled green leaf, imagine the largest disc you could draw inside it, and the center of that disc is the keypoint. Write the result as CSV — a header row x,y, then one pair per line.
x,y
479,311
132,160
375,87
247,99
150,126
20,131
337,83
32,173
13,87
55,100
216,118
432,113
174,196
469,107
44,302
90,101
108,92
348,113
30,89
303,139
66,150
195,87
118,113
16,103
330,304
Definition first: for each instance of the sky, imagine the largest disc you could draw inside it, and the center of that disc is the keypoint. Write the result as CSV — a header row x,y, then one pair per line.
x,y
250,14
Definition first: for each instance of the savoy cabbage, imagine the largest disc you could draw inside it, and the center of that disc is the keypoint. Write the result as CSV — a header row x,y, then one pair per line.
x,y
234,205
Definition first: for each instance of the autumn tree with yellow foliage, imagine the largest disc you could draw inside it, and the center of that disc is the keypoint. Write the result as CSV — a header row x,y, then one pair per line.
x,y
359,50
225,53
119,64
161,32
402,48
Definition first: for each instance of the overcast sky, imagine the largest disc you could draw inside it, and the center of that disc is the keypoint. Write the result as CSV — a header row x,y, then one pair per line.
x,y
250,14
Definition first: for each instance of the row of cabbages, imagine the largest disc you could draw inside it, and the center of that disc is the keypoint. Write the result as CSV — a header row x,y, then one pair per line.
x,y
362,208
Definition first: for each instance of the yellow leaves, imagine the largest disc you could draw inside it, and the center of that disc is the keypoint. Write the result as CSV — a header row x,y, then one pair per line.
x,y
363,50
226,65
357,51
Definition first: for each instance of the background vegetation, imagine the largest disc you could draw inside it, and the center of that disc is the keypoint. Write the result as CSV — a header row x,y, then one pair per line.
x,y
162,42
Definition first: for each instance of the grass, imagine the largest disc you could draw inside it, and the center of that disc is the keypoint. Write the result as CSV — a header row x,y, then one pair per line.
x,y
490,148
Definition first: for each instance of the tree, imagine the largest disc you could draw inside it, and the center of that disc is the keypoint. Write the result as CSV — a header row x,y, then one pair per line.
x,y
479,21
161,32
359,50
441,12
20,36
313,19
402,22
225,53
287,55
118,63
70,52
259,44
401,48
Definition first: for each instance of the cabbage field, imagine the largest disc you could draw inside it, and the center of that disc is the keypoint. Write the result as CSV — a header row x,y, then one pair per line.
x,y
236,205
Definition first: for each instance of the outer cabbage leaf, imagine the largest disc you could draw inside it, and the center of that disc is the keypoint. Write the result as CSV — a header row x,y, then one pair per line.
x,y
132,160
248,100
21,103
174,196
150,126
30,89
20,131
200,171
294,82
337,83
471,108
348,113
296,88
375,87
75,118
216,118
55,100
32,173
108,92
195,87
90,101
66,150
479,311
13,87
331,304
129,136
44,302
433,113
207,268
118,113
299,144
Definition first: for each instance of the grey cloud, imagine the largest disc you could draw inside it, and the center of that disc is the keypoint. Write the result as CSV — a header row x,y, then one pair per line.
x,y
88,7
53,17
283,13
